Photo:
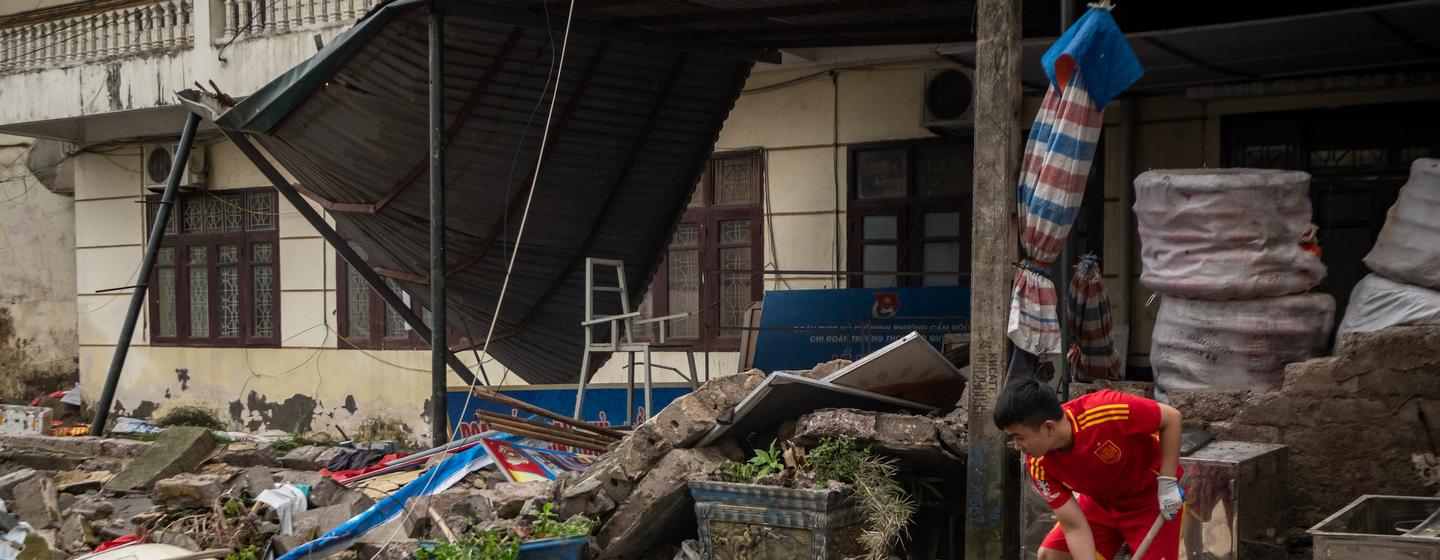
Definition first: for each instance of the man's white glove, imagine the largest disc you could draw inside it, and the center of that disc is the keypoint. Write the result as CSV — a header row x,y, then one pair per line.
x,y
1171,496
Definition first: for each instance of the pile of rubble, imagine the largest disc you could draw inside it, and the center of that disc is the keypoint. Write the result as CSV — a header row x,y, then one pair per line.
x,y
187,490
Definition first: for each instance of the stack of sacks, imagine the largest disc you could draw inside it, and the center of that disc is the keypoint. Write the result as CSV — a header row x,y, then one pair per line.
x,y
1233,255
1405,288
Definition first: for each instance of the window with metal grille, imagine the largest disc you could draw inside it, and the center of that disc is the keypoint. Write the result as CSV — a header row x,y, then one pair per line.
x,y
708,268
366,321
909,213
216,280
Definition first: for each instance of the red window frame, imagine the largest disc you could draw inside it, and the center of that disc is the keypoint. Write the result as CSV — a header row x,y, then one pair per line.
x,y
708,215
181,243
909,210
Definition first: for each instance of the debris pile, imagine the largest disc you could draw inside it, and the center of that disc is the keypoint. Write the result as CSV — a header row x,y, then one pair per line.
x,y
194,489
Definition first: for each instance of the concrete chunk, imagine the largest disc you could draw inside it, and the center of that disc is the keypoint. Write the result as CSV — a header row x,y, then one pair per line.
x,y
178,449
661,503
509,499
189,490
36,503
309,457
690,417
246,454
916,440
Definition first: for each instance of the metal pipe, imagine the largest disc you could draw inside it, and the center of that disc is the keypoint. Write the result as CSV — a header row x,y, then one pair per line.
x,y
342,247
178,167
439,346
494,396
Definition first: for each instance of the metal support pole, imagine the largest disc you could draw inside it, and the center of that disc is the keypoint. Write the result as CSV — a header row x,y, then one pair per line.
x,y
343,248
439,347
137,296
992,484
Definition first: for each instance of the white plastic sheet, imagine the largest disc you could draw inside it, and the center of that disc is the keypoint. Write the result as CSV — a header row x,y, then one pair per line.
x,y
1200,344
1226,234
287,501
1408,248
1380,302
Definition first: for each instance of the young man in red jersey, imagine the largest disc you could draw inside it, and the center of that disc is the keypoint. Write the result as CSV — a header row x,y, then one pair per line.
x,y
1119,453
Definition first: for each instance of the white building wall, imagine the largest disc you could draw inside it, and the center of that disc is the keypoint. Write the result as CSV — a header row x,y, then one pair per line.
x,y
37,312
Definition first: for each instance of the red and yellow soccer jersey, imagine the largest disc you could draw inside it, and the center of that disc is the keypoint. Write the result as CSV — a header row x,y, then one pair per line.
x,y
1115,457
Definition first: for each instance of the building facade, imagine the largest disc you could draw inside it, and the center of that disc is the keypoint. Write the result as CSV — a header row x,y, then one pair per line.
x,y
824,170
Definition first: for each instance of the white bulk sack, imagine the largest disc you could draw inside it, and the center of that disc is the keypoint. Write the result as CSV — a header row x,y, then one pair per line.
x,y
1380,302
1199,344
1408,249
1223,234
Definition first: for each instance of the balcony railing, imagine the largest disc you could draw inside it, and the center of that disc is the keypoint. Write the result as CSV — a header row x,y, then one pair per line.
x,y
158,26
245,18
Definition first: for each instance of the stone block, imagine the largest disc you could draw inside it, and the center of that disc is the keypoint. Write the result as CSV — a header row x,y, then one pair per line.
x,y
661,505
596,491
400,548
509,499
913,439
24,420
1208,405
253,480
324,491
310,457
312,523
456,507
248,454
178,449
637,453
92,507
189,490
76,535
690,417
36,503
9,481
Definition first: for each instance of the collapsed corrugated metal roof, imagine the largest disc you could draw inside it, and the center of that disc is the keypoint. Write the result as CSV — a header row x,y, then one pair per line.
x,y
635,118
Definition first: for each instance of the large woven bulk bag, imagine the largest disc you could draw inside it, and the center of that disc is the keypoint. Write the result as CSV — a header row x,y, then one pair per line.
x,y
1408,249
1199,344
1378,302
1223,234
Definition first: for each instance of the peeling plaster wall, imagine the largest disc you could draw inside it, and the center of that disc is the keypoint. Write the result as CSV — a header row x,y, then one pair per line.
x,y
37,310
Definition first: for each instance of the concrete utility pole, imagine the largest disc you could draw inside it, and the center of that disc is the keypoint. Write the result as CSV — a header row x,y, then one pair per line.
x,y
439,325
992,484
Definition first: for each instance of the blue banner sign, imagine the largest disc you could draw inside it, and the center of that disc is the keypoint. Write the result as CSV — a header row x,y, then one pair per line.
x,y
604,404
801,328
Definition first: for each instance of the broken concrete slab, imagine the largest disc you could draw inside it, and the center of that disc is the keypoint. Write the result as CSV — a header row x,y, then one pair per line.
x,y
189,490
253,480
687,419
310,457
24,420
36,503
324,491
92,507
914,439
178,449
87,446
248,454
509,499
595,492
76,535
312,523
660,504
398,549
8,482
456,507
782,397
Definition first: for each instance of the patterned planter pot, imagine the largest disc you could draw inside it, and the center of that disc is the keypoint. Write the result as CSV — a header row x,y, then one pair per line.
x,y
754,522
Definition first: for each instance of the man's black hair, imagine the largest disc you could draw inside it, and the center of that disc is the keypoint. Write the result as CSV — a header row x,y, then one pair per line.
x,y
1027,402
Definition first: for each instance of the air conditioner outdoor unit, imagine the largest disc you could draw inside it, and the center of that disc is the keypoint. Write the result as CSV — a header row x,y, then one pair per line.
x,y
949,103
160,157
